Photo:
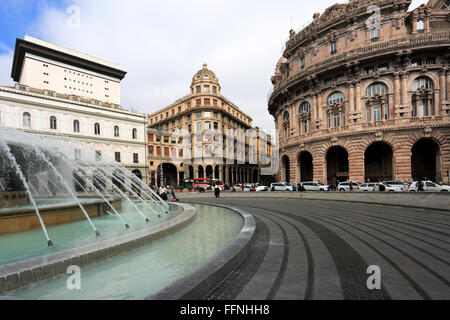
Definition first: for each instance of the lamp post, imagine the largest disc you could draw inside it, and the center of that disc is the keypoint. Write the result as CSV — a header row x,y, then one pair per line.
x,y
160,156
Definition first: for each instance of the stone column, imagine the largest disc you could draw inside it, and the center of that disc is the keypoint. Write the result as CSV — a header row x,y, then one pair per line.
x,y
396,89
316,109
404,89
358,97
437,103
443,91
351,94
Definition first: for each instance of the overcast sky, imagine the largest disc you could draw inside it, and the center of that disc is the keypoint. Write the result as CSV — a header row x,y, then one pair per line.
x,y
162,44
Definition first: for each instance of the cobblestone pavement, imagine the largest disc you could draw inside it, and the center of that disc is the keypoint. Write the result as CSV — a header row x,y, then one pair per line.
x,y
313,249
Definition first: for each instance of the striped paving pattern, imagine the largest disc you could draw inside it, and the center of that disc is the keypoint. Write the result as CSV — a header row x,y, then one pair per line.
x,y
309,249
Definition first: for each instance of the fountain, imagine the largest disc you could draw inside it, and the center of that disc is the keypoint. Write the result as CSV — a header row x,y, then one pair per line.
x,y
46,176
50,186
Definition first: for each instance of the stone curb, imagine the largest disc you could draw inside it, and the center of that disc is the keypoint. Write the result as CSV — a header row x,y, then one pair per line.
x,y
204,278
23,273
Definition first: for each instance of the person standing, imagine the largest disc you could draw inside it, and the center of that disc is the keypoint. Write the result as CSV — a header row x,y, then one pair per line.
x,y
294,187
351,186
217,191
242,187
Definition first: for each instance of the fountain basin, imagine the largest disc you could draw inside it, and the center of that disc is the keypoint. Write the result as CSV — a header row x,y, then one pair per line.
x,y
23,273
21,219
13,198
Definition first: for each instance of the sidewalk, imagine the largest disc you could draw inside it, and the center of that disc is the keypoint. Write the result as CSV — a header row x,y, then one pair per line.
x,y
420,200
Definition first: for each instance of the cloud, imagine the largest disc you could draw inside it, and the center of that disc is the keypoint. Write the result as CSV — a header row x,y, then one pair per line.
x,y
162,44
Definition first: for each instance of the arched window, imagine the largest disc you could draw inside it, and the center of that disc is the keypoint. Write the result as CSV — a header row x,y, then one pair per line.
x,y
97,129
116,132
305,107
286,125
336,97
377,88
422,99
134,133
286,116
53,123
422,83
26,120
76,126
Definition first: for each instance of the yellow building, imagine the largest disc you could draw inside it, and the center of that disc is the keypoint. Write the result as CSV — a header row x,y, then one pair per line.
x,y
199,114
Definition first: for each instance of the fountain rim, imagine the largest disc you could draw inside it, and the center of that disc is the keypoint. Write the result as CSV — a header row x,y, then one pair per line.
x,y
195,284
26,272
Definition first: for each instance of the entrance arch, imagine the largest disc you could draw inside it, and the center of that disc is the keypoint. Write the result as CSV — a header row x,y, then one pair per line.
x,y
337,165
170,174
285,169
426,160
305,166
378,162
201,172
209,172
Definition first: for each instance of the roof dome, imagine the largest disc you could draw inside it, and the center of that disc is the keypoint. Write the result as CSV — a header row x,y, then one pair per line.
x,y
205,75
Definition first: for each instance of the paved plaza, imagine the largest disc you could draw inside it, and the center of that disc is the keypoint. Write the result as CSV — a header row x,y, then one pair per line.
x,y
313,246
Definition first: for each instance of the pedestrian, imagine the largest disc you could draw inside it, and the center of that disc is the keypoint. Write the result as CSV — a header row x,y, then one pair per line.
x,y
294,187
217,191
351,186
242,187
420,186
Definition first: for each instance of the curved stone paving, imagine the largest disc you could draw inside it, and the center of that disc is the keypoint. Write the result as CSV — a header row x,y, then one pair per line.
x,y
309,249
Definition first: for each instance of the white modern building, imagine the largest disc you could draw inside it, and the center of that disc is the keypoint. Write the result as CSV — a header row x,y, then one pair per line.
x,y
75,97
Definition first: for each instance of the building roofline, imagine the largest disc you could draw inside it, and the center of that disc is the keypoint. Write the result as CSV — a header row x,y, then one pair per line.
x,y
50,52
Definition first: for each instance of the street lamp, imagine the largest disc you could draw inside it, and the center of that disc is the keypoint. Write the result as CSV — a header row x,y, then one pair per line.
x,y
160,155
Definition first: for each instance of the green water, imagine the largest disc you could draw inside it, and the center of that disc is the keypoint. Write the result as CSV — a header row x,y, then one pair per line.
x,y
140,273
25,245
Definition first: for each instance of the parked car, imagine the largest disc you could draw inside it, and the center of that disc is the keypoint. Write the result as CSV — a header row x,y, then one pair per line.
x,y
367,187
429,186
315,186
345,186
398,185
280,186
260,188
238,186
248,187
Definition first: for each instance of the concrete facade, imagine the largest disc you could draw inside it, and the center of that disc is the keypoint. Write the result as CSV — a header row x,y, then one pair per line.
x,y
354,101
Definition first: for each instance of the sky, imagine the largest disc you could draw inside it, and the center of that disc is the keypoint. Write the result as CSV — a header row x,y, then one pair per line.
x,y
162,44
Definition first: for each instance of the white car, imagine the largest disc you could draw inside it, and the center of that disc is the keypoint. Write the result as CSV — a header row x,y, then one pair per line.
x,y
345,186
315,186
280,186
260,188
429,186
248,187
368,187
397,185
382,187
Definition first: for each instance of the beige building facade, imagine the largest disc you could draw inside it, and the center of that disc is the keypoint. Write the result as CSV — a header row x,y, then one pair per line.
x,y
362,93
204,116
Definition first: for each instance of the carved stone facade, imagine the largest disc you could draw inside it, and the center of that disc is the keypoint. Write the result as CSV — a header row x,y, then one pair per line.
x,y
365,104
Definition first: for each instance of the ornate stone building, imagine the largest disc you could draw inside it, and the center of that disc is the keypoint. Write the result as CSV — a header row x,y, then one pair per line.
x,y
362,93
203,112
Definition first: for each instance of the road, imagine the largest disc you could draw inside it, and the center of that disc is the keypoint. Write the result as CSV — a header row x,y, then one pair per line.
x,y
318,249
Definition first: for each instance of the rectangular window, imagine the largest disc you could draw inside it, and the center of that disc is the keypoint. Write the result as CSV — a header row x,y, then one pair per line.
x,y
214,90
151,150
207,125
198,102
305,126
207,89
420,26
117,156
189,117
198,115
135,158
333,47
368,114
383,67
374,34
377,112
207,114
336,119
98,155
198,126
77,154
198,89
207,102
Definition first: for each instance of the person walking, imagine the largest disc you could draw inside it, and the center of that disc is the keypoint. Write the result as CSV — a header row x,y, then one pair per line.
x,y
351,186
420,186
294,187
242,187
217,191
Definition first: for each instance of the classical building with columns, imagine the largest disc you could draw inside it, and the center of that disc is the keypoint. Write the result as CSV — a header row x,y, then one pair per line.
x,y
201,113
362,93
